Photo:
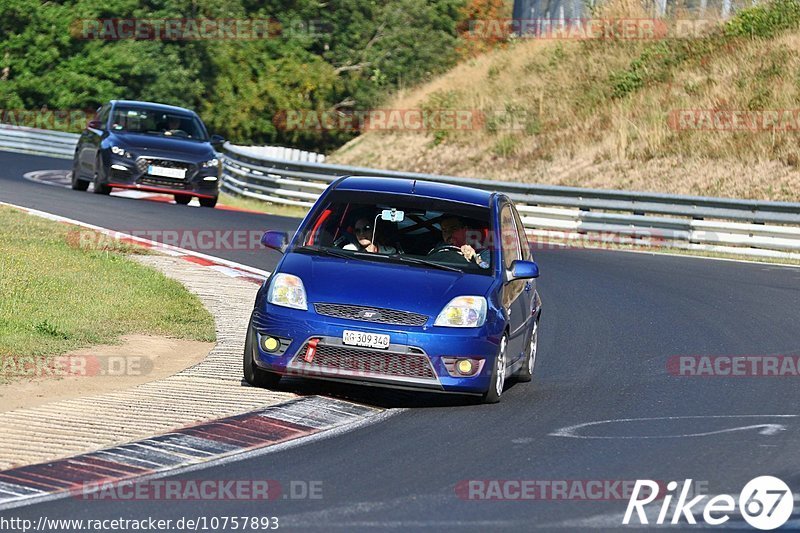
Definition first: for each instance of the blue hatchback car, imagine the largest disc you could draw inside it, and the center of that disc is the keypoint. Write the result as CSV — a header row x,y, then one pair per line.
x,y
400,283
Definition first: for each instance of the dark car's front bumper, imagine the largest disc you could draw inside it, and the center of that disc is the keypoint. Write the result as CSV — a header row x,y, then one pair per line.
x,y
127,173
415,359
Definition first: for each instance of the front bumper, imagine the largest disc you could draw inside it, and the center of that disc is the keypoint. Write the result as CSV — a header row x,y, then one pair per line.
x,y
128,173
415,358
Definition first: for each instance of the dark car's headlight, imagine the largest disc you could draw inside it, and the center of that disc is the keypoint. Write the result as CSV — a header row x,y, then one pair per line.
x,y
122,152
211,163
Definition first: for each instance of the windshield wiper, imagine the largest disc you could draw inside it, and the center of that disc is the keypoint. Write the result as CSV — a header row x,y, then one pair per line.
x,y
414,260
326,251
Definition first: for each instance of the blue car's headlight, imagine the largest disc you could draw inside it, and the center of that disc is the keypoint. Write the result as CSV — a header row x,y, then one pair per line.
x,y
122,152
211,163
463,312
288,291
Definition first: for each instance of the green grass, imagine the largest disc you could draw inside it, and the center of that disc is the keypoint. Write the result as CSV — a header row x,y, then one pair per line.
x,y
252,204
58,294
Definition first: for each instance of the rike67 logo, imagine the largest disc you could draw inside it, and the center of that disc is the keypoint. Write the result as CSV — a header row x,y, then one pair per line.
x,y
765,503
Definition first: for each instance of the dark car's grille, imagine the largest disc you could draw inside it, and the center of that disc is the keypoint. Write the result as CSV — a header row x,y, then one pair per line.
x,y
371,314
142,163
368,362
169,183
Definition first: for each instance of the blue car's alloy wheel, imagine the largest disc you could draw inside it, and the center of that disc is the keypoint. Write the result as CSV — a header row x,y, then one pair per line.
x,y
498,374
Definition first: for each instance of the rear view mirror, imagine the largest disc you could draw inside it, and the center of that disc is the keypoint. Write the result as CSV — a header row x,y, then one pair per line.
x,y
393,215
95,125
276,240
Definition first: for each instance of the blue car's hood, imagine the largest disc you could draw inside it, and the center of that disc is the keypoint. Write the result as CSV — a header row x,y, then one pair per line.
x,y
383,285
158,146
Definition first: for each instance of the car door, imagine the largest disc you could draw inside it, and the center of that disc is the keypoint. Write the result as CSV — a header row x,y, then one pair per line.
x,y
527,297
89,143
513,299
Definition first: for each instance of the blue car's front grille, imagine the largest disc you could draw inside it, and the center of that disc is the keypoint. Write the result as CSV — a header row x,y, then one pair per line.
x,y
371,314
366,362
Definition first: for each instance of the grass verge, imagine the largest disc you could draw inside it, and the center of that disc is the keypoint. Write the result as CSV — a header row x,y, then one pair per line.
x,y
57,295
269,208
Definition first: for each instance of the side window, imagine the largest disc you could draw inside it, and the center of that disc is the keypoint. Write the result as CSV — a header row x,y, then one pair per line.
x,y
523,238
509,236
102,114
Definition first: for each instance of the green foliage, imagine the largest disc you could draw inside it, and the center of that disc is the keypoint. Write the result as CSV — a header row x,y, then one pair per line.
x,y
765,20
344,54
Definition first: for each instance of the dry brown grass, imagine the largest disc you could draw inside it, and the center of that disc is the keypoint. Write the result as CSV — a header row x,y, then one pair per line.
x,y
572,128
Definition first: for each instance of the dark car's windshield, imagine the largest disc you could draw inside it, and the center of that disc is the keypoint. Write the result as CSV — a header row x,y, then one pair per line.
x,y
418,231
156,122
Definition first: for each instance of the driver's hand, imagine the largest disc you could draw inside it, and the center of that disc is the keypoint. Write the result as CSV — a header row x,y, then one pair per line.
x,y
468,252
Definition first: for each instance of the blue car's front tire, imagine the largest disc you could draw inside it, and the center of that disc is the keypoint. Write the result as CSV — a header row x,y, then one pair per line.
x,y
252,374
497,383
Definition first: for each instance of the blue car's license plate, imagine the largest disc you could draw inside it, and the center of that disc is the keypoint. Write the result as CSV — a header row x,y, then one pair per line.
x,y
368,340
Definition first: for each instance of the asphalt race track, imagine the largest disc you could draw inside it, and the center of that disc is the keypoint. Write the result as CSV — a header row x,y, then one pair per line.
x,y
611,322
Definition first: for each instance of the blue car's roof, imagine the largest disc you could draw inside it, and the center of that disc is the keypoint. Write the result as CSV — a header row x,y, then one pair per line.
x,y
153,105
431,189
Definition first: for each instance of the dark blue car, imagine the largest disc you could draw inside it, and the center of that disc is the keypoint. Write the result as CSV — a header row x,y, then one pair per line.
x,y
149,147
400,283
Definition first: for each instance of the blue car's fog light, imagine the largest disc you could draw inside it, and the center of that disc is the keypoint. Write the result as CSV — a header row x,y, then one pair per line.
x,y
460,367
274,345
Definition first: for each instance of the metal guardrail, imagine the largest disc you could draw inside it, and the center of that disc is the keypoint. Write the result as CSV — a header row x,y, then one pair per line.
x,y
590,217
593,217
38,141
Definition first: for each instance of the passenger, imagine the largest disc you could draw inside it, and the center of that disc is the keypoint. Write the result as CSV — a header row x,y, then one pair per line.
x,y
364,233
454,233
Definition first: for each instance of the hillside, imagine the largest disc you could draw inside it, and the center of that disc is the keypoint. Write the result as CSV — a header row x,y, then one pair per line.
x,y
612,113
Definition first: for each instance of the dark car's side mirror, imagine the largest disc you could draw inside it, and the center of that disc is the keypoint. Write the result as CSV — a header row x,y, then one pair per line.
x,y
522,270
95,125
217,141
276,240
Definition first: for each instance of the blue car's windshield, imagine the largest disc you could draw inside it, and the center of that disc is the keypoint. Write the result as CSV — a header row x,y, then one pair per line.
x,y
156,122
428,233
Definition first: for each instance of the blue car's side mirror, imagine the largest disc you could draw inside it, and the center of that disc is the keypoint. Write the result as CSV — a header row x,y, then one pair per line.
x,y
522,270
276,240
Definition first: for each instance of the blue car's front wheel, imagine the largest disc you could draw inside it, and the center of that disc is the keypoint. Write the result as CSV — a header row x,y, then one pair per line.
x,y
498,381
252,374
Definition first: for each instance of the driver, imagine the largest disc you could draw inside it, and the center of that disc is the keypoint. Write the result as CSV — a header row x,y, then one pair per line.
x,y
454,233
173,124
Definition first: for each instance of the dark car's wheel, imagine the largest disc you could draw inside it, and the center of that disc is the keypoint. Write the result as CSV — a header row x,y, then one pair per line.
x,y
498,380
77,183
526,372
208,202
182,199
252,374
99,186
